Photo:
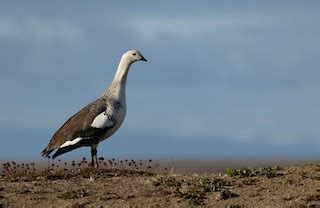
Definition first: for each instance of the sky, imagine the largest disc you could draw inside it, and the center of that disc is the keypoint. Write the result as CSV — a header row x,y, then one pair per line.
x,y
223,78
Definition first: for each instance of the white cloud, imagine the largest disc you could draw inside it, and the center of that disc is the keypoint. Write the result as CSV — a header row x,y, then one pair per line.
x,y
39,29
152,28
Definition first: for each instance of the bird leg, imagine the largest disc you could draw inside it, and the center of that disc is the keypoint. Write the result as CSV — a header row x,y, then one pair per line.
x,y
94,157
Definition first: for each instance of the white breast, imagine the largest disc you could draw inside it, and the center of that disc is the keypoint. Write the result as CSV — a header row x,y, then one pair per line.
x,y
119,118
102,121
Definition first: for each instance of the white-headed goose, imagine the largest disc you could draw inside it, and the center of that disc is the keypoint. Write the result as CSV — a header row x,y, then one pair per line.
x,y
98,120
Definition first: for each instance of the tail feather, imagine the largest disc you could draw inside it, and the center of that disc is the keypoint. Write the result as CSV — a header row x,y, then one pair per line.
x,y
63,150
46,152
81,143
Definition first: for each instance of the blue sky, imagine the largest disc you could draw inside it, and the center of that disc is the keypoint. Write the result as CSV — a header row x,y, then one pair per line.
x,y
223,78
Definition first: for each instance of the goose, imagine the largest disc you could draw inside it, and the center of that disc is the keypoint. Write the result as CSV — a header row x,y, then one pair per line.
x,y
99,119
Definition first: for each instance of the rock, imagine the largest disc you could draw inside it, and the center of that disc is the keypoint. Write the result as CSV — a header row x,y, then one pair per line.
x,y
310,204
184,188
23,191
234,206
130,196
78,205
225,194
40,178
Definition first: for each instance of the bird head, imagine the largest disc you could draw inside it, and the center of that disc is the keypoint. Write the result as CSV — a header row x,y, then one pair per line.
x,y
133,56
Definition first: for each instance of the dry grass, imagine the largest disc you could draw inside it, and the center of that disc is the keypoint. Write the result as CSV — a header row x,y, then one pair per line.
x,y
143,183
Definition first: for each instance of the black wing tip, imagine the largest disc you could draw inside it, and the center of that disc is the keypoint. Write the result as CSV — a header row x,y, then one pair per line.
x,y
63,150
54,156
46,153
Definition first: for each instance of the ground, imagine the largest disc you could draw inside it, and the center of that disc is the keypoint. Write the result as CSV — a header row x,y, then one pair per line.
x,y
292,186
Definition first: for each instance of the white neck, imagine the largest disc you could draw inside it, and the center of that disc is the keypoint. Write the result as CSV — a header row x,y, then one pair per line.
x,y
117,88
122,71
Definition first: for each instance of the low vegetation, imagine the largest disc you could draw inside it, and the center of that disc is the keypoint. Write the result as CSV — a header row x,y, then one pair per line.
x,y
195,188
144,183
269,172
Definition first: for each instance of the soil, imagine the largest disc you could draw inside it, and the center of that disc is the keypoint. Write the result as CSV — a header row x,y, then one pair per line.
x,y
292,186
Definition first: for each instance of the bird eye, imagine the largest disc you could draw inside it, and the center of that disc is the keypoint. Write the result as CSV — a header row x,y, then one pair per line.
x,y
134,54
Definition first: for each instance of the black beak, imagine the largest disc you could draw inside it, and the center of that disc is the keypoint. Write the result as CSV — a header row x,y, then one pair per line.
x,y
143,59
